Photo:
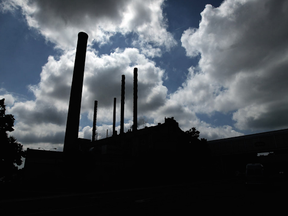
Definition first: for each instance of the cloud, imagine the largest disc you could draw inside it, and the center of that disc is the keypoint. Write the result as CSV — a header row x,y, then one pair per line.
x,y
211,132
86,132
43,133
243,55
9,98
244,52
186,117
45,117
37,112
102,82
36,123
60,21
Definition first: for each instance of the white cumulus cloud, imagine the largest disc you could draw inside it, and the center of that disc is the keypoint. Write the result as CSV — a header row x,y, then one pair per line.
x,y
45,117
243,67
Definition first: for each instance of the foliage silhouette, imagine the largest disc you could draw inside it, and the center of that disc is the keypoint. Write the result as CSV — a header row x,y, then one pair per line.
x,y
193,133
10,150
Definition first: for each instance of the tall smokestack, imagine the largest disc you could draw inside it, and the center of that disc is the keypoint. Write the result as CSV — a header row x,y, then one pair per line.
x,y
73,118
135,91
114,117
122,105
94,121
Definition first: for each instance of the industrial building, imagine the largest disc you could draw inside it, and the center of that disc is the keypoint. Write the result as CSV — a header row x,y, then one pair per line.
x,y
268,148
106,159
159,153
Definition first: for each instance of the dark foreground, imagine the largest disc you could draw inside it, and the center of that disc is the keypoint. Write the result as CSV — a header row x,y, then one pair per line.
x,y
204,198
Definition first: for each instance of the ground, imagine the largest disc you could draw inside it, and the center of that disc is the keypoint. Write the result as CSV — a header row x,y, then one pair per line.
x,y
225,197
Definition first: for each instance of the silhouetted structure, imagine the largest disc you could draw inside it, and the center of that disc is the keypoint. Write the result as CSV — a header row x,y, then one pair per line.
x,y
254,143
114,118
231,155
122,104
108,159
73,118
94,121
135,91
162,153
149,151
44,165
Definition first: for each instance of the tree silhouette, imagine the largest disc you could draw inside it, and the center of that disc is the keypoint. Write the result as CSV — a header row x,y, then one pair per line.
x,y
192,133
10,150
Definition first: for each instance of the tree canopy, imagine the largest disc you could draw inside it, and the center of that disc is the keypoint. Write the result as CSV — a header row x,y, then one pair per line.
x,y
11,151
193,135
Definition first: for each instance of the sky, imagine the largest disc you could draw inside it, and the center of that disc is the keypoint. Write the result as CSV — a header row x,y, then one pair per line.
x,y
219,66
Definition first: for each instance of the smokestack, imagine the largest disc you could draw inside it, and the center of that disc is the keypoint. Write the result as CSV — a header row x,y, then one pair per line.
x,y
73,118
94,121
114,117
122,105
135,91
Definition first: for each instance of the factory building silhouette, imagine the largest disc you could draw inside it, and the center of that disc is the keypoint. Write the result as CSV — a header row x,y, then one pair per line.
x,y
135,153
153,155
